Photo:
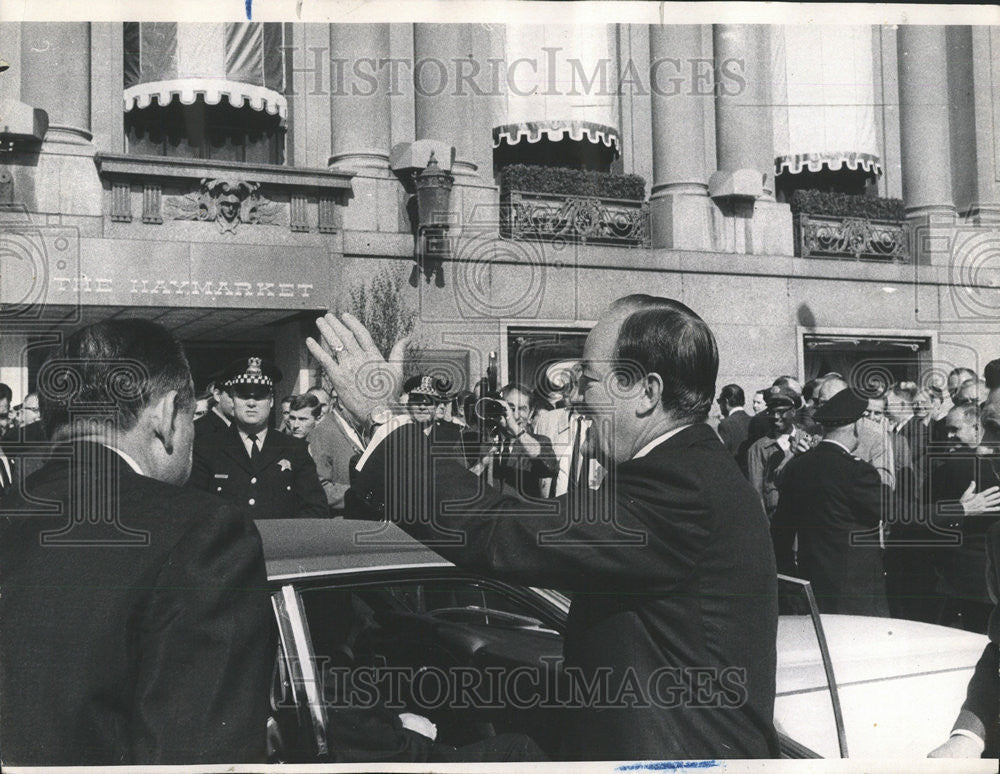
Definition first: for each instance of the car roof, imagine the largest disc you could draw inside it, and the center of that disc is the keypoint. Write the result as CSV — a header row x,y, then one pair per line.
x,y
301,548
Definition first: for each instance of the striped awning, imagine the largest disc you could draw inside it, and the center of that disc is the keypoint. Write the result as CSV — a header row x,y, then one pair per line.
x,y
240,62
824,99
562,83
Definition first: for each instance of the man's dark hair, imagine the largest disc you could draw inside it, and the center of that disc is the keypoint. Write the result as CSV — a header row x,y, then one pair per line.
x,y
6,392
665,337
299,402
507,389
733,395
116,366
787,381
992,374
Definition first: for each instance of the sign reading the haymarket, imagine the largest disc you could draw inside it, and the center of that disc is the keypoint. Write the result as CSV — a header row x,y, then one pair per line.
x,y
85,285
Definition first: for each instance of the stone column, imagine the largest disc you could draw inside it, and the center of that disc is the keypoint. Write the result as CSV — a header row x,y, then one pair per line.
x,y
359,104
742,105
925,142
985,209
55,71
681,88
446,104
747,218
55,76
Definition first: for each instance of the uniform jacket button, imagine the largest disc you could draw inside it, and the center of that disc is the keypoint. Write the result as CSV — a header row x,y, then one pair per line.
x,y
289,488
253,480
218,489
252,501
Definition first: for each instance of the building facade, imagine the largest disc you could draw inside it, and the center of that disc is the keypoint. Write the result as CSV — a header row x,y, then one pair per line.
x,y
232,181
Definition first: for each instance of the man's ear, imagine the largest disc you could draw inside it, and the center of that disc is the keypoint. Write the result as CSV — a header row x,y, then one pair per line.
x,y
165,416
652,393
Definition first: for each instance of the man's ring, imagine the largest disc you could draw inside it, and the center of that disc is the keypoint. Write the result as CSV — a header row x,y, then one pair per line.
x,y
338,347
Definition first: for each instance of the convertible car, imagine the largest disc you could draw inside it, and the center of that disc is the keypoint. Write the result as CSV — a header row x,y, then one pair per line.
x,y
357,598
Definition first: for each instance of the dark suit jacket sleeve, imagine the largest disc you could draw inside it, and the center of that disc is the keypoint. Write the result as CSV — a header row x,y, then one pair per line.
x,y
727,432
546,463
981,710
207,647
866,491
201,474
650,536
310,491
784,525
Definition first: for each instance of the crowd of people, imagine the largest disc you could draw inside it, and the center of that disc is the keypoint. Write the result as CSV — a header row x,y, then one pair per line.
x,y
889,515
666,531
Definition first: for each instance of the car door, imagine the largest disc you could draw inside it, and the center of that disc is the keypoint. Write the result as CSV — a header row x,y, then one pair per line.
x,y
475,656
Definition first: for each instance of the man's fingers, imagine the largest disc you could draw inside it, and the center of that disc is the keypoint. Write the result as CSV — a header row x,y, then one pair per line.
x,y
359,331
321,355
969,490
344,334
330,338
399,350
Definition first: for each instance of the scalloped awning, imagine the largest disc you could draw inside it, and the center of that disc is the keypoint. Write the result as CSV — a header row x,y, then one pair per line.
x,y
815,162
561,84
824,99
187,90
241,62
535,131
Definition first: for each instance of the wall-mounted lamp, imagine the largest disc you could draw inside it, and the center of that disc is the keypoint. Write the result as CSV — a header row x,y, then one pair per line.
x,y
433,186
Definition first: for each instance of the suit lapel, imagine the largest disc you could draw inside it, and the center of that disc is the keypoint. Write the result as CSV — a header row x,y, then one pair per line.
x,y
235,448
271,450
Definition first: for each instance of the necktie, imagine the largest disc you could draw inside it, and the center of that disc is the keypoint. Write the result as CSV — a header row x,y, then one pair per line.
x,y
254,449
574,460
4,474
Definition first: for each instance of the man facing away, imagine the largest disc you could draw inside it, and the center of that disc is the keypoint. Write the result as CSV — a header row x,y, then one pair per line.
x,y
673,579
832,501
135,623
734,427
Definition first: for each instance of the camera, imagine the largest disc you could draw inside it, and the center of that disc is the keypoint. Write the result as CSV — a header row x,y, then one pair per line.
x,y
490,411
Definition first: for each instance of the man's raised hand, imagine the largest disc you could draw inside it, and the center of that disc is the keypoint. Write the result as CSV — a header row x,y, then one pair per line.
x,y
363,379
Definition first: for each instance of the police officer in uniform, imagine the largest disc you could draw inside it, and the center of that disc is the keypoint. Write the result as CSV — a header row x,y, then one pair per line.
x,y
832,501
267,472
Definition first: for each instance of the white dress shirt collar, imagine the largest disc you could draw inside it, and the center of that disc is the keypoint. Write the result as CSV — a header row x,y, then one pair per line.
x,y
247,443
657,441
128,460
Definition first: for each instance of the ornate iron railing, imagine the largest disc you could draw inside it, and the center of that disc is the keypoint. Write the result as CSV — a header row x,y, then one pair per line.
x,y
586,219
861,239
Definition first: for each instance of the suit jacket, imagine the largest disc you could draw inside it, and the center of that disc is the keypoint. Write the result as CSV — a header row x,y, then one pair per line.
x,y
734,430
963,566
210,423
27,449
828,499
673,576
282,484
981,710
760,425
155,652
332,452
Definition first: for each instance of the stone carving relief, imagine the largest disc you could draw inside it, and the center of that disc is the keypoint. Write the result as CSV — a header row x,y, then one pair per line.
x,y
227,201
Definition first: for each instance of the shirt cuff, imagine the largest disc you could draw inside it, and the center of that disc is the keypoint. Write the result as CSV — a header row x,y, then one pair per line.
x,y
971,735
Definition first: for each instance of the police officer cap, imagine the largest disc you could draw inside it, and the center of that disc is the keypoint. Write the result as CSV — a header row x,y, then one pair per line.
x,y
437,388
250,371
781,397
844,408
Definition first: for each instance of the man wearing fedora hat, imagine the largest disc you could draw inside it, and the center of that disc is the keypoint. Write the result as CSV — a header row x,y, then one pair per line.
x,y
832,501
270,474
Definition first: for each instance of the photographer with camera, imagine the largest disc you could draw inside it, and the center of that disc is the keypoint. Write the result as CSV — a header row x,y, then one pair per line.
x,y
516,457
